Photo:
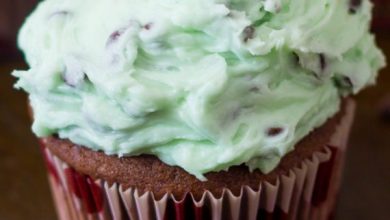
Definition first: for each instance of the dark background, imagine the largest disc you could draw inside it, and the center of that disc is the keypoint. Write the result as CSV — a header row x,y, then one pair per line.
x,y
24,191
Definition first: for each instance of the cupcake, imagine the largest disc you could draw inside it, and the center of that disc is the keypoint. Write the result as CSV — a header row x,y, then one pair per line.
x,y
196,109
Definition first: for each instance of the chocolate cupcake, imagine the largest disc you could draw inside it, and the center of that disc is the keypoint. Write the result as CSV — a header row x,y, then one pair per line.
x,y
195,109
303,185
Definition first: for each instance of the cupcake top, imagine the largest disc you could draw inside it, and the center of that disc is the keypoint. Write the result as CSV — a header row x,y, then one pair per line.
x,y
201,84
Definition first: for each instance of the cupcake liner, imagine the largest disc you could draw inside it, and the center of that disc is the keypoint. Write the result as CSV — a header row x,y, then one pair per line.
x,y
307,192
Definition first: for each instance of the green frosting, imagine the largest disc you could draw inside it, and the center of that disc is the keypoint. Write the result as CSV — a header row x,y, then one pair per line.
x,y
202,84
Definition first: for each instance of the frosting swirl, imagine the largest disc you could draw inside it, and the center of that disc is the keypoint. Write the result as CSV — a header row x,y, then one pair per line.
x,y
202,84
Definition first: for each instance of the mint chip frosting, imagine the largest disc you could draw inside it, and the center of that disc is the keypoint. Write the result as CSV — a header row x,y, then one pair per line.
x,y
201,84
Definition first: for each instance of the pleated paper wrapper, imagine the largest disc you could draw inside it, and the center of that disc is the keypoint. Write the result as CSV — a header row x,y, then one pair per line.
x,y
307,192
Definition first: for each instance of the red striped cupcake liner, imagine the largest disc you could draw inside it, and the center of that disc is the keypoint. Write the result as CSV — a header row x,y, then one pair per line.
x,y
308,192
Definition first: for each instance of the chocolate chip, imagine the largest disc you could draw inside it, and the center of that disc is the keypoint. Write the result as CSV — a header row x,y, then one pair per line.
x,y
354,6
322,61
248,33
254,89
115,36
272,132
148,26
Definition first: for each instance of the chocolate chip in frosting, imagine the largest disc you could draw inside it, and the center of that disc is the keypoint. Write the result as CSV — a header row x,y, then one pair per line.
x,y
248,33
115,36
148,26
354,6
274,131
254,89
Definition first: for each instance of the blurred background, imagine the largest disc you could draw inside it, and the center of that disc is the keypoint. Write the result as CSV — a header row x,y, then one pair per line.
x,y
24,192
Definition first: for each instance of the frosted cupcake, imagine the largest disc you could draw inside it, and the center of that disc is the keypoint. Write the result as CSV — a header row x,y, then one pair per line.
x,y
196,109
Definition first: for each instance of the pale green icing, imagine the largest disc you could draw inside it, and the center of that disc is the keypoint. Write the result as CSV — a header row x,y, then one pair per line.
x,y
198,83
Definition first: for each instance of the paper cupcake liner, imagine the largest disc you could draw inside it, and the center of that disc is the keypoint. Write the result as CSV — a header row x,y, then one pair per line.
x,y
308,192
